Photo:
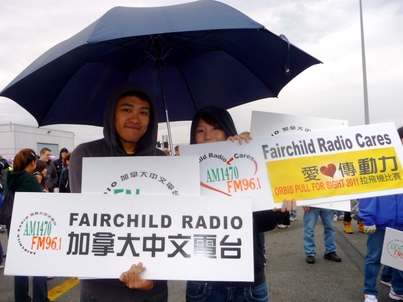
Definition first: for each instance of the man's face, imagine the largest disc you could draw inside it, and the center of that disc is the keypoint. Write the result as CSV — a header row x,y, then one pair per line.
x,y
206,133
132,116
45,156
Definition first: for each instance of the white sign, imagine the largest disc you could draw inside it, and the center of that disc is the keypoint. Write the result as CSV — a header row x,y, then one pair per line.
x,y
314,167
272,124
265,124
101,236
141,175
392,250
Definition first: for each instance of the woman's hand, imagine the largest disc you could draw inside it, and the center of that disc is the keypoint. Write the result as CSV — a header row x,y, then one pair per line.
x,y
240,137
38,177
133,280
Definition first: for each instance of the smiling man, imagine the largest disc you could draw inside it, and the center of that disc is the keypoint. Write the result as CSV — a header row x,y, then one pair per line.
x,y
132,116
130,129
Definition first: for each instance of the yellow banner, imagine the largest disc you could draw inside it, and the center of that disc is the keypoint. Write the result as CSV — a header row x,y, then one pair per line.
x,y
335,174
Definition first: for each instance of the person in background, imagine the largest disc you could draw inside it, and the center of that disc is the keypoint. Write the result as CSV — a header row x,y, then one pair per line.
x,y
347,224
311,215
64,184
293,215
1,257
285,222
130,129
21,179
387,275
215,124
338,215
40,173
59,163
289,217
4,168
51,175
378,213
1,247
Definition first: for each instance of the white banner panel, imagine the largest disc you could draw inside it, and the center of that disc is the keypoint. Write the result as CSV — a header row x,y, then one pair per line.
x,y
101,236
272,124
314,167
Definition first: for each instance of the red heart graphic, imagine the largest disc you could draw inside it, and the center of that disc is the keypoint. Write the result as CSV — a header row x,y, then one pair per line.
x,y
329,170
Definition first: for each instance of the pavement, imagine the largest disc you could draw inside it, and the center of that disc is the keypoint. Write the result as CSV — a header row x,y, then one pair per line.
x,y
289,277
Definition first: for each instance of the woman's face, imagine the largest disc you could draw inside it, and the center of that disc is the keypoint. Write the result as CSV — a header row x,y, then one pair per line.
x,y
206,133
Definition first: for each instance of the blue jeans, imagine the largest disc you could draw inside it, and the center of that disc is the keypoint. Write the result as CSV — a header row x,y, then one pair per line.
x,y
387,273
293,214
372,265
310,220
338,213
397,281
39,288
207,292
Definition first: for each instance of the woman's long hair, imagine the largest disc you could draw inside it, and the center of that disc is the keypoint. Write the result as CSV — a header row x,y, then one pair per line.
x,y
214,116
23,158
40,166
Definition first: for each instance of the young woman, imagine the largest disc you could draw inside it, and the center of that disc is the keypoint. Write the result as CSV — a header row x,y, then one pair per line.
x,y
21,179
40,173
214,124
64,184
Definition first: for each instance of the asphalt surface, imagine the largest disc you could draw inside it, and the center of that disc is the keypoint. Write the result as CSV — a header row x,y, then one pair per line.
x,y
289,277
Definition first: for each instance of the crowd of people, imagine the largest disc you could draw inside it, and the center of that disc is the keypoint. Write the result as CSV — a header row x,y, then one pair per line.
x,y
32,173
130,129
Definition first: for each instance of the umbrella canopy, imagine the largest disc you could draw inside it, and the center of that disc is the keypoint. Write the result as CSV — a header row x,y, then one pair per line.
x,y
188,56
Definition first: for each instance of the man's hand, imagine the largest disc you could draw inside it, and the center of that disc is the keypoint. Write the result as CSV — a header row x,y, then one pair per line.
x,y
306,208
287,206
133,280
369,229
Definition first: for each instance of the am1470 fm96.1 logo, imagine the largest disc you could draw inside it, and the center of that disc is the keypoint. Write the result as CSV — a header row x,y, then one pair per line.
x,y
34,233
395,248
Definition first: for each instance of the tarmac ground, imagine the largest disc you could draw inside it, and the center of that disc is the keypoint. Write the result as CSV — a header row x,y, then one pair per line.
x,y
289,277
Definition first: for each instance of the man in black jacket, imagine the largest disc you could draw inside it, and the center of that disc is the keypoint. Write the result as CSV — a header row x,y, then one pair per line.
x,y
51,175
130,129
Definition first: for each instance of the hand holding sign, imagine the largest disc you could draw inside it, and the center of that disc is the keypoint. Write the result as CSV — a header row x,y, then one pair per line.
x,y
133,280
240,137
288,205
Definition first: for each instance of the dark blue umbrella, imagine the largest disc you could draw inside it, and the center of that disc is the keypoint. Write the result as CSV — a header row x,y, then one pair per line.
x,y
188,56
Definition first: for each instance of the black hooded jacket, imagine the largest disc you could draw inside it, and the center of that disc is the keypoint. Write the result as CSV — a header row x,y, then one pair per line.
x,y
58,163
110,145
113,289
263,220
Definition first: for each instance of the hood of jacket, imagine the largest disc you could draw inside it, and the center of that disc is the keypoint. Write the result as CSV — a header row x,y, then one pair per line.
x,y
220,115
148,140
15,180
61,151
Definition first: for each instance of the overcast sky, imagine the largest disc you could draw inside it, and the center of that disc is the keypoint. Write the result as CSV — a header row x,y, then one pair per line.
x,y
327,29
